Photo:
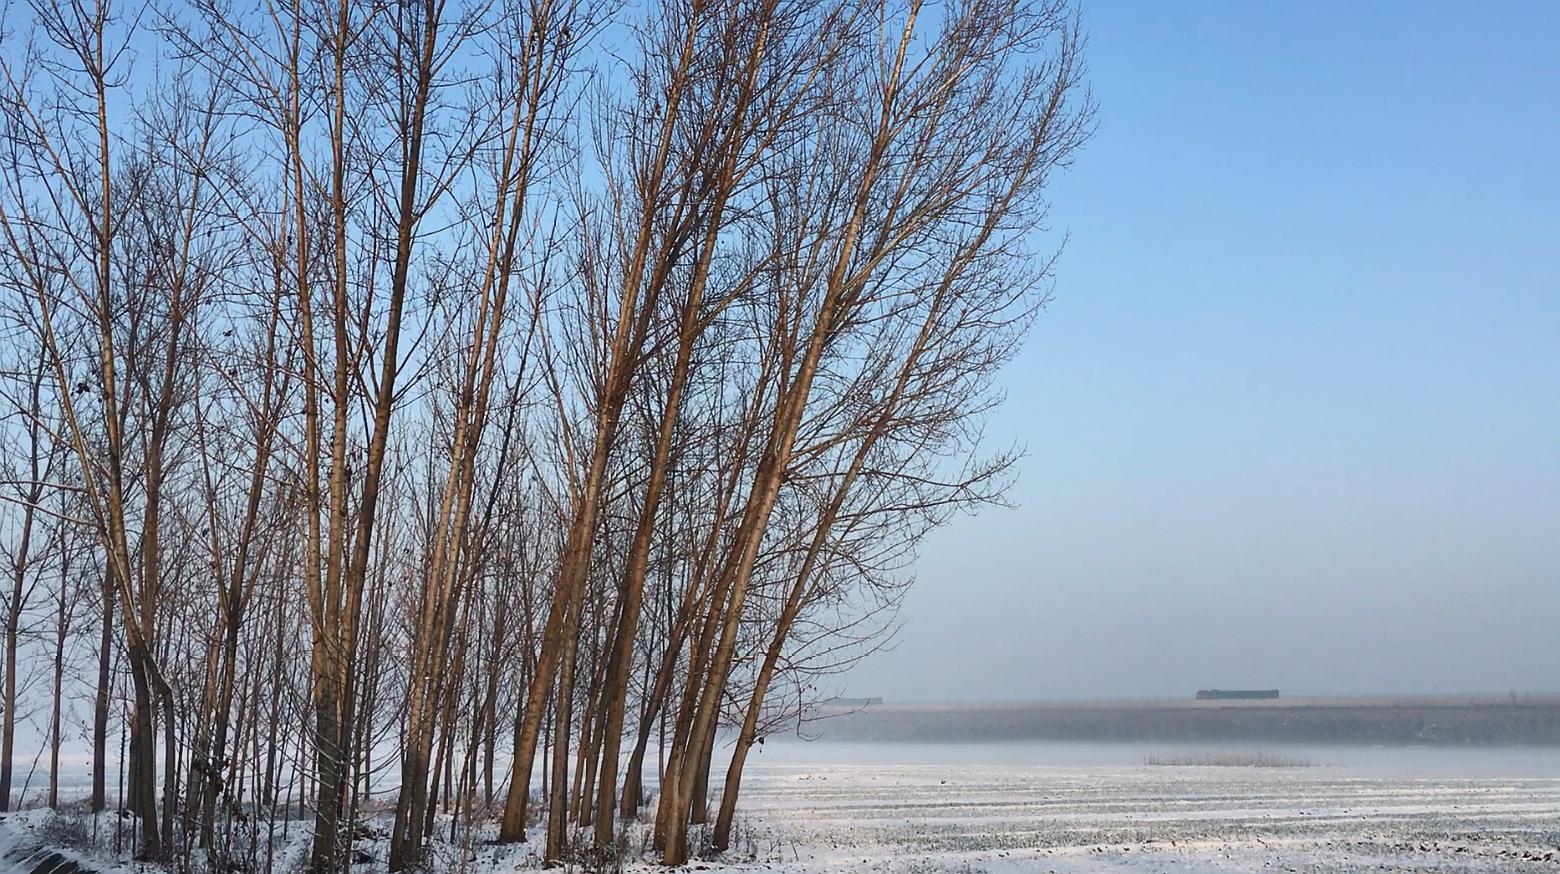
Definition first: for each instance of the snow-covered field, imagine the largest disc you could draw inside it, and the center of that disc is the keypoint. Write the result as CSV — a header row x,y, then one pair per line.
x,y
831,807
1067,808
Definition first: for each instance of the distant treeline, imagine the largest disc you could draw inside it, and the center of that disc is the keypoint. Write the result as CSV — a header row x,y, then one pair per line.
x,y
1378,721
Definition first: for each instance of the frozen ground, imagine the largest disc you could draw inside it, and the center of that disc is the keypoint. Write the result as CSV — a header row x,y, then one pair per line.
x,y
940,808
925,808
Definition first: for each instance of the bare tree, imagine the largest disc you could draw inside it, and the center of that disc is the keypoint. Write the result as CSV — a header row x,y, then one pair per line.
x,y
28,472
414,383
938,158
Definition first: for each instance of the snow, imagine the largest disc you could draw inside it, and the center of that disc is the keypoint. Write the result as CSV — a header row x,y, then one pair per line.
x,y
28,838
995,809
926,809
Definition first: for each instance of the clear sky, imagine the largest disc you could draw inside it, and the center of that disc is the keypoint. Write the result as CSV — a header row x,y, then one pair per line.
x,y
1293,418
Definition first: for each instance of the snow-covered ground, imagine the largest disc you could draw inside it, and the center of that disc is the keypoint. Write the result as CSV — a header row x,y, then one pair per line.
x,y
829,807
1071,808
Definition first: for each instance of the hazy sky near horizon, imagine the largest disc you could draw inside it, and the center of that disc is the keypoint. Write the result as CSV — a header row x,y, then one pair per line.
x,y
1293,417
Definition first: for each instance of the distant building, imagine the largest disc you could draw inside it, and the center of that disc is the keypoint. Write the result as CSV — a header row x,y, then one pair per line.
x,y
1235,694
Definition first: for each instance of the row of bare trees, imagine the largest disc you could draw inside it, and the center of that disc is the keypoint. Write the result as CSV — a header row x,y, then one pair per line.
x,y
454,406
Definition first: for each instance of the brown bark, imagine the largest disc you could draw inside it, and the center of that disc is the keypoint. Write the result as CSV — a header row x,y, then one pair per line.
x,y
558,636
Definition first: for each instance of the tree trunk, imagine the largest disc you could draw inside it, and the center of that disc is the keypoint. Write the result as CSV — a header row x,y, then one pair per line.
x,y
61,630
563,718
143,763
100,704
13,623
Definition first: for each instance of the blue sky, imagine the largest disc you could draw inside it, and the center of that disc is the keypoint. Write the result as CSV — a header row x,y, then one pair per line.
x,y
1293,417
